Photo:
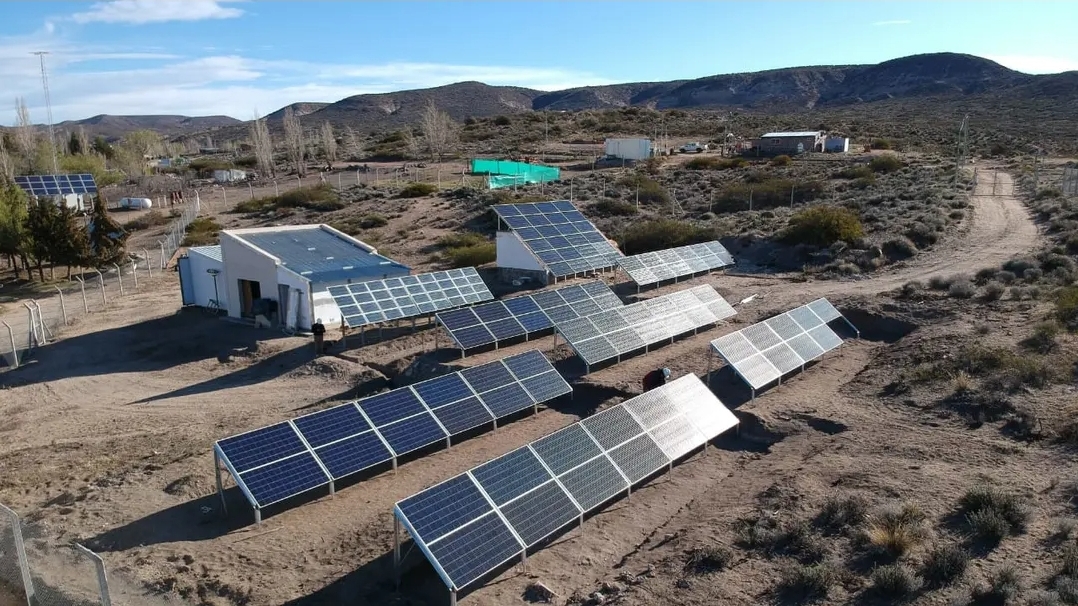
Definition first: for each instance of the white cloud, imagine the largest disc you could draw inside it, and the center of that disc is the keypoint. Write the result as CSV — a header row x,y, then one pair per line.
x,y
229,84
1035,64
155,11
892,22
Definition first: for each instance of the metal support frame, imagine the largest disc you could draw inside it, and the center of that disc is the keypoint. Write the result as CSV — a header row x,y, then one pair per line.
x,y
119,278
82,287
134,273
20,555
102,577
63,307
101,281
14,351
149,266
220,484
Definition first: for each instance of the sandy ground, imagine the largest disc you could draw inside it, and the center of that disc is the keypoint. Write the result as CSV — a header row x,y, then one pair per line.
x,y
107,440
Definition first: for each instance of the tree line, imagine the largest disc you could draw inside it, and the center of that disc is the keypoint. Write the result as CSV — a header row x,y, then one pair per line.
x,y
39,232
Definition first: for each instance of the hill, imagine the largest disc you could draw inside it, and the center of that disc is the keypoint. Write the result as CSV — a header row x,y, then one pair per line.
x,y
113,127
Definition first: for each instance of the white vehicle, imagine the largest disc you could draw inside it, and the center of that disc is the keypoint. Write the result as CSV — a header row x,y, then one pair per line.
x,y
136,203
693,148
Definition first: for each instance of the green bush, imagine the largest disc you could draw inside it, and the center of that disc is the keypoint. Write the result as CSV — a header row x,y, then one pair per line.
x,y
1003,589
316,197
154,218
649,191
813,581
857,172
201,232
895,581
418,190
781,160
882,144
462,240
766,193
613,208
471,256
1066,302
713,163
502,121
1043,339
660,234
823,226
944,564
988,509
372,220
886,163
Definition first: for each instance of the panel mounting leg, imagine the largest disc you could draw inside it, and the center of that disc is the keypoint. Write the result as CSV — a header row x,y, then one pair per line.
x,y
452,597
220,485
258,516
397,550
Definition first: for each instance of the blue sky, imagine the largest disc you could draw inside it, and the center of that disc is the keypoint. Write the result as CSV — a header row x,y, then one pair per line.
x,y
201,57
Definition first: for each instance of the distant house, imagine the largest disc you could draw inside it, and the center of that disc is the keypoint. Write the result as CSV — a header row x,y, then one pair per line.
x,y
230,175
291,266
628,149
837,145
794,142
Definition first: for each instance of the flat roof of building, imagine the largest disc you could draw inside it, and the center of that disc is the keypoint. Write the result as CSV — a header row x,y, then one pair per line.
x,y
321,254
213,252
796,133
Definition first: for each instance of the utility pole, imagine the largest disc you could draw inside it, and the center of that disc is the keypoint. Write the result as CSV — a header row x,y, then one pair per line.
x,y
48,109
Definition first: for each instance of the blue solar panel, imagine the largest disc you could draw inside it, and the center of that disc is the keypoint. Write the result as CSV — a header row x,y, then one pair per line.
x,y
549,298
547,386
565,449
474,550
55,185
527,364
429,516
506,329
261,446
521,305
639,458
395,298
331,425
278,481
543,228
442,390
462,416
412,434
511,475
354,454
507,400
491,311
612,427
473,336
487,377
539,514
391,406
535,322
594,482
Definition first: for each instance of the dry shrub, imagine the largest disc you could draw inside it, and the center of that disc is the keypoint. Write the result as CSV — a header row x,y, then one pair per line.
x,y
661,234
944,564
895,581
962,290
812,581
1066,301
418,190
711,558
993,291
1003,589
961,382
842,512
896,530
1043,339
992,514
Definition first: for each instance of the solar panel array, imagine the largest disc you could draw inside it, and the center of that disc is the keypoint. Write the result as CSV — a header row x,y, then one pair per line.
x,y
616,332
473,523
767,350
559,236
376,301
280,461
55,185
501,320
651,267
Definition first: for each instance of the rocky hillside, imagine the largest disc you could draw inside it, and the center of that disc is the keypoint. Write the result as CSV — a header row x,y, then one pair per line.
x,y
112,127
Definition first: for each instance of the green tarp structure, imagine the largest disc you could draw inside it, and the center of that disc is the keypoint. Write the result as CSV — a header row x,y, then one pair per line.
x,y
506,173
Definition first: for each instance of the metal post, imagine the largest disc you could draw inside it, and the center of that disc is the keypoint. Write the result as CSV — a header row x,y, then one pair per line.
x,y
134,273
162,244
63,308
220,484
397,549
82,287
119,278
14,352
101,280
339,186
276,191
20,555
149,266
251,190
102,577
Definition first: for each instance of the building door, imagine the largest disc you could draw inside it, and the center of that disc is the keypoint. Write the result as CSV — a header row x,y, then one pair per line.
x,y
249,291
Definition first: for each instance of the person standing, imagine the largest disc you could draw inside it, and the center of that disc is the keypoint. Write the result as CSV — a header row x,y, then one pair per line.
x,y
656,378
319,331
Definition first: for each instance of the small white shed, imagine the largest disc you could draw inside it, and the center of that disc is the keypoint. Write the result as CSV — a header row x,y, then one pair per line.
x,y
202,277
628,149
229,176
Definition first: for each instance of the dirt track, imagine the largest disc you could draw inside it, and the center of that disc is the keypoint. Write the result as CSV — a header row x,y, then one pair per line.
x,y
107,440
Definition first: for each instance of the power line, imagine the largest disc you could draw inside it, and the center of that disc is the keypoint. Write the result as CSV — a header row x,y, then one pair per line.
x,y
48,109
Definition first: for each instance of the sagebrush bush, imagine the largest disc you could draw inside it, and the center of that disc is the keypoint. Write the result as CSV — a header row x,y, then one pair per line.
x,y
887,163
895,581
1069,566
711,558
841,512
154,218
321,198
944,564
899,248
417,190
1043,340
1066,303
780,160
961,290
1003,589
911,289
993,291
662,233
203,231
815,580
613,208
823,226
988,508
372,220
988,525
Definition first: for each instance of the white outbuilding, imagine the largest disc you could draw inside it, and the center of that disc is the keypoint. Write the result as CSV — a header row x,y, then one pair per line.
x,y
628,149
281,272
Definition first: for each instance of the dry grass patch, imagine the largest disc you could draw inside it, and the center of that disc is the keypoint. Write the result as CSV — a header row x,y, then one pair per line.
x,y
895,530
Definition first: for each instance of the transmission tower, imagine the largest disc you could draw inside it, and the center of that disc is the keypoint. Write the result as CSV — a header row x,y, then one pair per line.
x,y
962,149
48,109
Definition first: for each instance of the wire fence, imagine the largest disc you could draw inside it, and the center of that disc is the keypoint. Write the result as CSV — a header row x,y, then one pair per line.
x,y
28,323
173,238
36,570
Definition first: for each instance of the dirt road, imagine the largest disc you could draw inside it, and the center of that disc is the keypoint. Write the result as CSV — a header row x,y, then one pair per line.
x,y
1000,228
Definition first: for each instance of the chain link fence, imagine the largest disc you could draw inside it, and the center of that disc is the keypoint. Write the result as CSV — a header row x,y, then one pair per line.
x,y
28,323
173,237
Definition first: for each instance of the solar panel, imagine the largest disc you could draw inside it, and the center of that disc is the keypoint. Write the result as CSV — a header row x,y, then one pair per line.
x,y
365,303
530,504
56,185
560,237
652,267
765,351
269,462
527,315
616,332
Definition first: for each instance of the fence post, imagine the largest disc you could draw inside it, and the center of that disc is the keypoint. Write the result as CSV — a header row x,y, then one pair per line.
x,y
149,266
134,273
102,577
82,287
119,278
63,307
101,279
20,553
162,244
14,351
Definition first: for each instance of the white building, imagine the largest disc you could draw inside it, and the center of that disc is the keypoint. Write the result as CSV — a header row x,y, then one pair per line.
x,y
294,266
837,145
628,149
229,176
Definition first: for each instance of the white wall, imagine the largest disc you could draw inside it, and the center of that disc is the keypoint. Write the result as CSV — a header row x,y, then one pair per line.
x,y
297,282
629,149
245,263
202,282
512,253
